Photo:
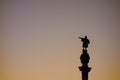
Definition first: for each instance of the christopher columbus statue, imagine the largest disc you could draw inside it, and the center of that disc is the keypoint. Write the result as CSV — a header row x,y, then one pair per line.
x,y
84,58
85,42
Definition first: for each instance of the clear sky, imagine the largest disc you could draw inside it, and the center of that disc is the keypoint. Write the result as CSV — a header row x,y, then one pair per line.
x,y
38,39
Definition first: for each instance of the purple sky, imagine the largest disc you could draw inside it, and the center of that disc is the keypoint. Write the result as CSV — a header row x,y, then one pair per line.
x,y
39,39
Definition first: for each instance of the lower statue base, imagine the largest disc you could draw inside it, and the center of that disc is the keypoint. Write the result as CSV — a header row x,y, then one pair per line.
x,y
84,69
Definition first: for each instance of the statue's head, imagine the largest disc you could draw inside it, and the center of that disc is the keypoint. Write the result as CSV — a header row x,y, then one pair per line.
x,y
86,37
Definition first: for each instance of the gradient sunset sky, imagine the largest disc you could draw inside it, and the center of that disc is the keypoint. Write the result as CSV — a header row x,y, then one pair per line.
x,y
39,39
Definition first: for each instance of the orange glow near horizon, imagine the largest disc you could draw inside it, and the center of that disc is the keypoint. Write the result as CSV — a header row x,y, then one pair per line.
x,y
39,39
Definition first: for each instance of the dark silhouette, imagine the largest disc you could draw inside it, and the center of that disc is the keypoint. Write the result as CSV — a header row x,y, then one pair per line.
x,y
84,68
85,42
84,59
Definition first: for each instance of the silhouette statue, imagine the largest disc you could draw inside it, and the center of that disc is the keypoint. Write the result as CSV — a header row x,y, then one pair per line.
x,y
84,59
85,42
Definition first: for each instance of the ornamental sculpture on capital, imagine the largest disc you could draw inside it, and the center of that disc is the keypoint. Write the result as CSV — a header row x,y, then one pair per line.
x,y
84,58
